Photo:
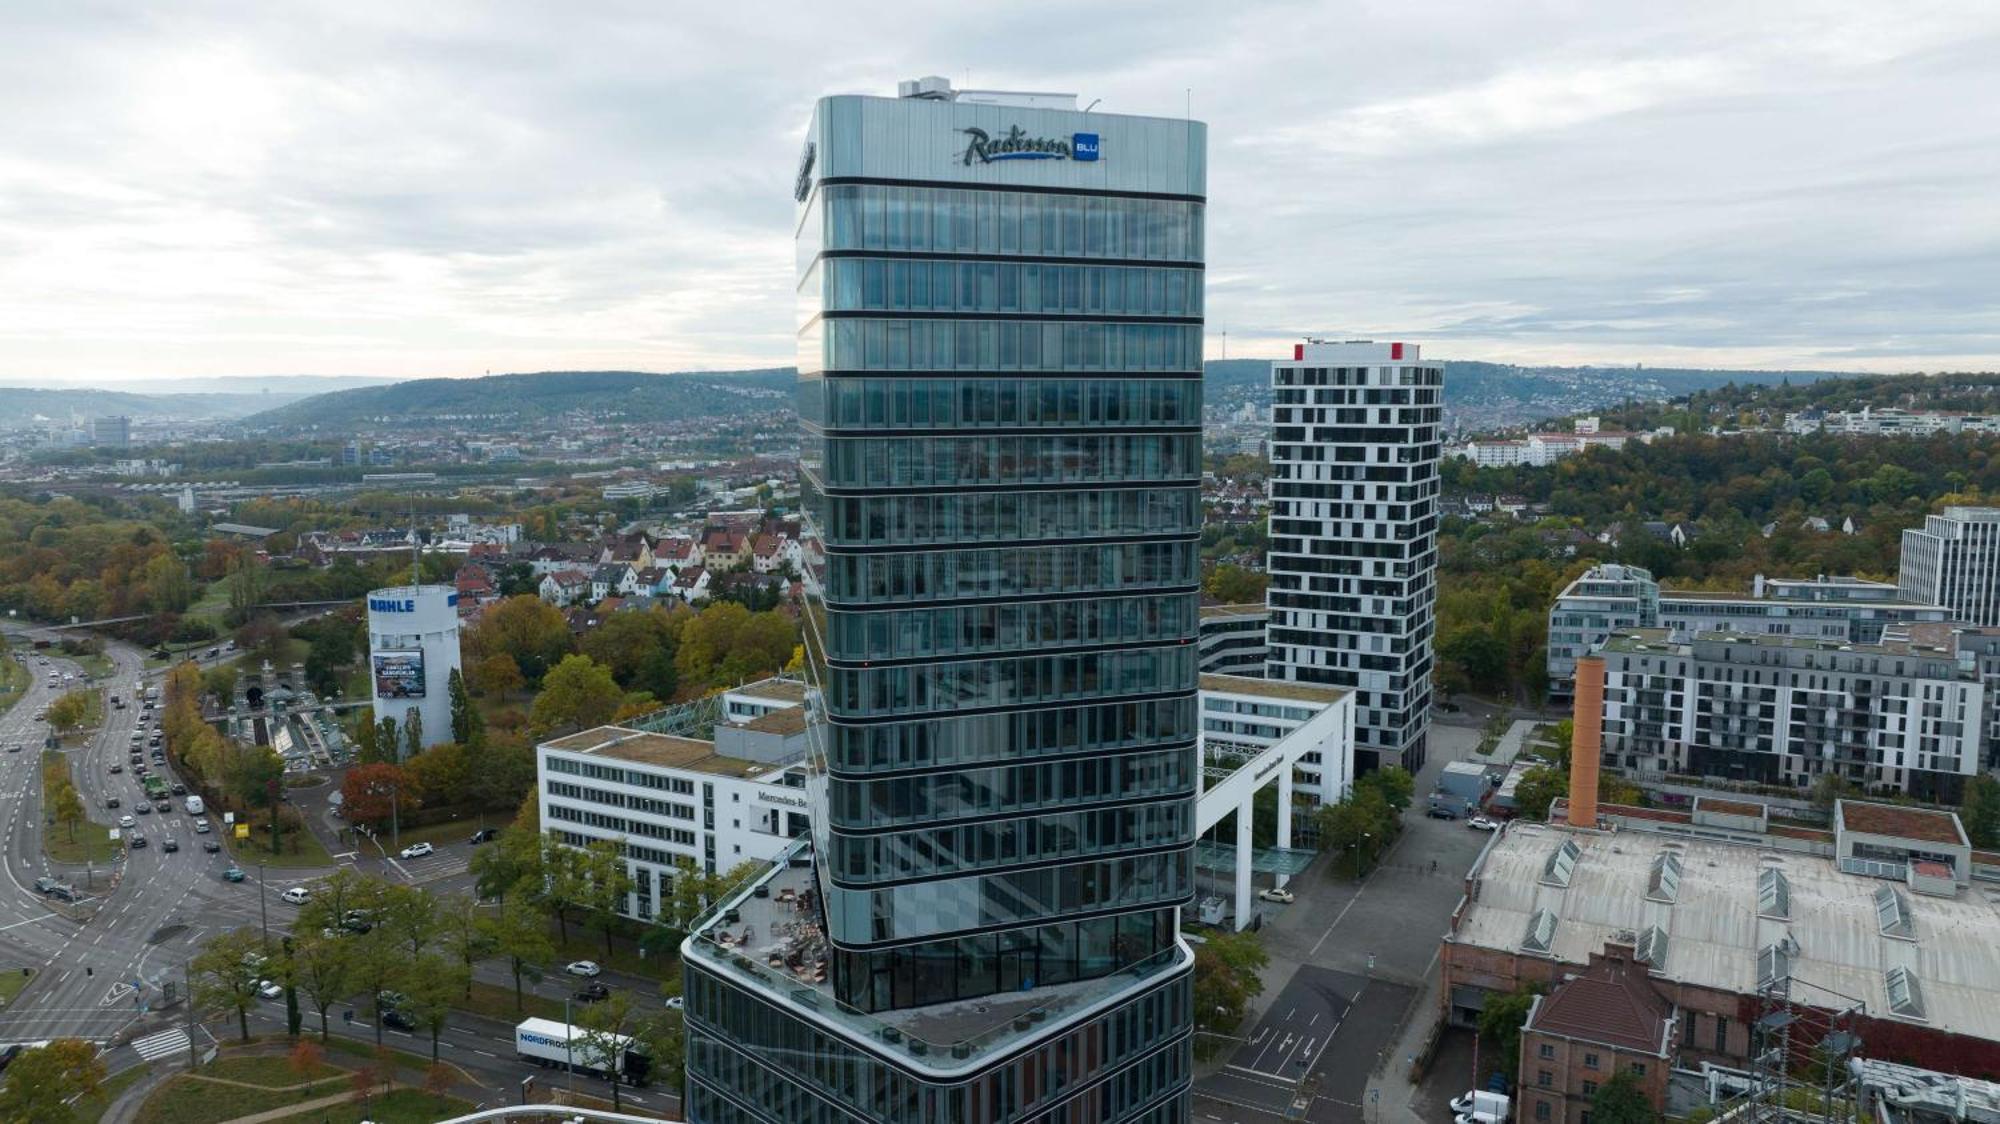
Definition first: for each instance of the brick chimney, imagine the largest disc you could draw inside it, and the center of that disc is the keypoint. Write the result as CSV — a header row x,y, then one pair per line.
x,y
1587,743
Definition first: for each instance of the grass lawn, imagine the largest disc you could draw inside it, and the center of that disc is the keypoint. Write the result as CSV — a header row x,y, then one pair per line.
x,y
292,651
13,682
96,665
93,842
94,1106
496,1001
212,604
190,1100
401,1106
271,1070
11,983
409,1066
249,852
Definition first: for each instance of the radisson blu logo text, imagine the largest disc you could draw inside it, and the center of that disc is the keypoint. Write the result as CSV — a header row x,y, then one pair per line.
x,y
1017,145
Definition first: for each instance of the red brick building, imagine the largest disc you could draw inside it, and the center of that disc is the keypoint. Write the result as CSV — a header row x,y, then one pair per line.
x,y
1609,1019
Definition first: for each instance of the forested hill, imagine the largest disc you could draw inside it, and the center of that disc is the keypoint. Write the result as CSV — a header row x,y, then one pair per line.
x,y
21,403
633,396
1752,405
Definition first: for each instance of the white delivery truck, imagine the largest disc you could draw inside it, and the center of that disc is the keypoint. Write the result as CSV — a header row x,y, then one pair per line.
x,y
551,1044
194,805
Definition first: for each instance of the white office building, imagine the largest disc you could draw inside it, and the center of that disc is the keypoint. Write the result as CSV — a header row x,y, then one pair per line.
x,y
1353,557
670,799
1954,560
1611,598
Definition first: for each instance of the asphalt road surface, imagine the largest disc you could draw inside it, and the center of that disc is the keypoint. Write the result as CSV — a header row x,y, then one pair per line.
x,y
1314,1048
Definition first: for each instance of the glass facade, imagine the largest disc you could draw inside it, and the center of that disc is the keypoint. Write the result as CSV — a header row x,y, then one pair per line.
x,y
1000,387
915,331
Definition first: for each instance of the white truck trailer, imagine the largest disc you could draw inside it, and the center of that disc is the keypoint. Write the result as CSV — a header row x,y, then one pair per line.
x,y
554,1045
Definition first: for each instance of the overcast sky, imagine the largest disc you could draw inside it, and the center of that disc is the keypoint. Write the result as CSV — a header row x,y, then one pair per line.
x,y
422,188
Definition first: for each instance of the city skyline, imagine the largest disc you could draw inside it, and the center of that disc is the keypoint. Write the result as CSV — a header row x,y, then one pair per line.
x,y
348,191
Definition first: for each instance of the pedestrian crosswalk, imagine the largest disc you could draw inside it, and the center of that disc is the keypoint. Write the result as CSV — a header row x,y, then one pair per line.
x,y
164,1044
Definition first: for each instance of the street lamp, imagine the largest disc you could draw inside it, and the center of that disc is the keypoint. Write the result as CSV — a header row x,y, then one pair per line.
x,y
1356,848
263,910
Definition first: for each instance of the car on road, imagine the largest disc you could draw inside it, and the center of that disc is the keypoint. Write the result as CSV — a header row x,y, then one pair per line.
x,y
13,747
180,789
111,802
585,968
64,893
143,808
270,989
297,895
211,846
417,850
201,827
138,841
163,806
169,846
1278,894
484,835
396,1020
675,1003
1482,823
127,821
592,993
233,874
45,884
117,768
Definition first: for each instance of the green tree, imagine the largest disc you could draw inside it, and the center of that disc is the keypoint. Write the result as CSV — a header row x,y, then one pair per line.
x,y
67,807
1500,1023
1226,967
434,984
246,588
69,711
331,651
168,587
1622,1100
1234,585
43,1084
1539,788
565,889
533,633
323,971
467,728
379,967
497,676
639,649
413,732
227,972
220,681
1397,786
511,867
1981,811
609,881
410,917
519,933
605,1026
577,693
462,936
1830,789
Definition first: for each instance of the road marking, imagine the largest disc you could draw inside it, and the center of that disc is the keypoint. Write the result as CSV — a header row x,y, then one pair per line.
x,y
484,1053
1259,1073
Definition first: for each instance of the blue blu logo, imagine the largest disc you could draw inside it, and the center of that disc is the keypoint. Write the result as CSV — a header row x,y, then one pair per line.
x,y
1083,146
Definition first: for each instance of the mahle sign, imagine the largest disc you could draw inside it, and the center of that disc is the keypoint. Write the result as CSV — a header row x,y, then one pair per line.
x,y
1016,144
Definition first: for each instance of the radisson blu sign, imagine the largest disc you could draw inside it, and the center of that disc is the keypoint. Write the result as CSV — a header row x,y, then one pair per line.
x,y
1015,144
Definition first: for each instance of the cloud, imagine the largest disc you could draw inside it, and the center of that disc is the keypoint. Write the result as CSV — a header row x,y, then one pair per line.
x,y
450,188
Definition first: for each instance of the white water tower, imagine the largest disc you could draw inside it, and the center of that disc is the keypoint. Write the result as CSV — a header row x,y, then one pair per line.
x,y
412,651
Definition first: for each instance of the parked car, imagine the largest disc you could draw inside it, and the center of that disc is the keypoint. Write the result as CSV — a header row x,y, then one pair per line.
x,y
297,895
675,1003
584,968
1482,823
417,850
1278,894
484,835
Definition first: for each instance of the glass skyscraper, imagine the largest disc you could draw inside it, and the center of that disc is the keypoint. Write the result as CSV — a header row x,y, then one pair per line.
x,y
1000,310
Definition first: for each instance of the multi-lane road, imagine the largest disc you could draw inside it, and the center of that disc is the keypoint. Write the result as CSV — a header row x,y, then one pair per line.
x,y
99,967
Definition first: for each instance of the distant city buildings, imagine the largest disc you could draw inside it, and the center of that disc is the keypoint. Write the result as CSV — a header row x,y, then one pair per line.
x,y
1889,421
1954,560
111,432
1353,534
1542,449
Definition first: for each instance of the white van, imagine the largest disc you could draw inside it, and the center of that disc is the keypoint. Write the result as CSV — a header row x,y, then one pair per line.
x,y
194,806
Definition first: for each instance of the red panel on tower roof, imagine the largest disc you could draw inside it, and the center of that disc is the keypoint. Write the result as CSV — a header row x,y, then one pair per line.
x,y
1298,351
1395,351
